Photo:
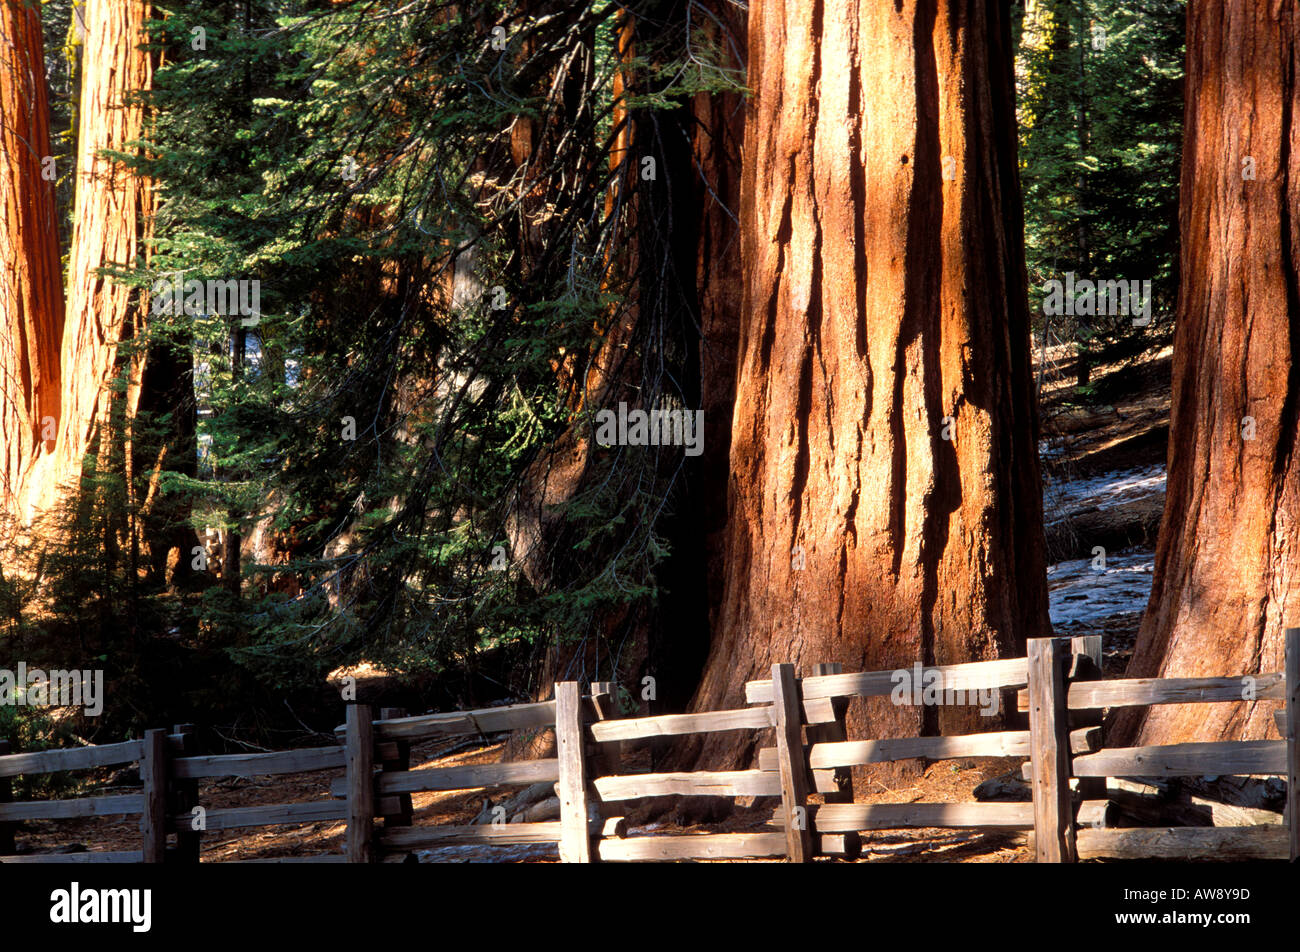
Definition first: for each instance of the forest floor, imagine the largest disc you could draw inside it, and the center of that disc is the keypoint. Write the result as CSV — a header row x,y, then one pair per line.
x,y
1104,463
1103,496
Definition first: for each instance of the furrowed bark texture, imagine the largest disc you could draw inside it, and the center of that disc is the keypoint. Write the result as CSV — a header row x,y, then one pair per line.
x,y
884,293
110,213
31,290
1226,579
719,140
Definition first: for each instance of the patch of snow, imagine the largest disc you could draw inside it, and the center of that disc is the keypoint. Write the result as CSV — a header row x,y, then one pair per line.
x,y
1079,593
1064,497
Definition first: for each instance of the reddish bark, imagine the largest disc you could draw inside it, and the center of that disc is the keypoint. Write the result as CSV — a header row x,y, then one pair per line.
x,y
111,207
31,292
1226,581
884,292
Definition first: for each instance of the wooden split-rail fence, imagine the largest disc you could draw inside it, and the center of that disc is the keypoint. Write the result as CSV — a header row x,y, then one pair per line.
x,y
1059,685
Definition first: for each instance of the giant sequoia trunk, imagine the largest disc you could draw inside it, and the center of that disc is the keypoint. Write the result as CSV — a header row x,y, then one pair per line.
x,y
31,292
1226,578
885,503
111,208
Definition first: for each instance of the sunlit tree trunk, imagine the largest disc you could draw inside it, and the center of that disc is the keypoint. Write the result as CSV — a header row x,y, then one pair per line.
x,y
110,217
885,503
1227,573
31,291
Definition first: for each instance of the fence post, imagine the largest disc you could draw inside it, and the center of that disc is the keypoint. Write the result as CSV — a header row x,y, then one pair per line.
x,y
835,732
608,756
831,733
185,797
6,796
153,773
787,717
1049,751
359,760
1291,648
1089,647
399,760
575,834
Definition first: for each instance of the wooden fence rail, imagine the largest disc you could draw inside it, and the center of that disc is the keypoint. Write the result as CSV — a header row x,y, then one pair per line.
x,y
807,765
1051,702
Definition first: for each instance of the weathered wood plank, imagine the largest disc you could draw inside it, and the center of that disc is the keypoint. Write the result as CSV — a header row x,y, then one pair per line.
x,y
791,766
71,809
256,765
823,779
819,710
835,732
607,758
464,777
1086,646
274,814
575,838
184,742
1007,673
846,817
72,758
406,838
92,856
359,808
388,806
700,783
1083,740
322,858
1086,665
670,724
720,846
153,773
1050,751
844,845
1094,813
1142,804
1220,757
858,752
394,757
1225,843
855,752
1130,692
1291,646
7,845
485,720
693,846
